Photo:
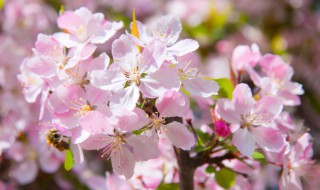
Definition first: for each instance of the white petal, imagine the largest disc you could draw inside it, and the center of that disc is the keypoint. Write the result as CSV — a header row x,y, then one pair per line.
x,y
201,87
107,79
183,47
244,141
155,84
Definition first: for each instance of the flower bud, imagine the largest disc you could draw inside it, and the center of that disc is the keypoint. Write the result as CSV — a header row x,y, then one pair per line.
x,y
221,128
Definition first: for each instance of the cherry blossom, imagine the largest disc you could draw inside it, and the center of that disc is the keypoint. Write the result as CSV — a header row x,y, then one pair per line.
x,y
253,118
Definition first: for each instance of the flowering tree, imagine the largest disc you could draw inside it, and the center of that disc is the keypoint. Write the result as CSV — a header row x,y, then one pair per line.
x,y
148,109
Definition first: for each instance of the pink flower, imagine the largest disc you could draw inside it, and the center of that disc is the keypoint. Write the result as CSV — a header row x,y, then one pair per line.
x,y
254,118
69,104
190,79
134,72
84,30
276,80
296,163
124,149
167,30
172,104
244,56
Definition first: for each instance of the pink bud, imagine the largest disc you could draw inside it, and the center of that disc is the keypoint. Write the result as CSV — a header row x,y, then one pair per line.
x,y
221,128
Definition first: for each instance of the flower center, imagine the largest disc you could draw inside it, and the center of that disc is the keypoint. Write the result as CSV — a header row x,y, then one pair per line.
x,y
186,72
81,107
113,144
132,76
156,121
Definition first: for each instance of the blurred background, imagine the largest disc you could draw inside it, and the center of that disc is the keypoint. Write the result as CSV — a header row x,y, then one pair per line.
x,y
289,28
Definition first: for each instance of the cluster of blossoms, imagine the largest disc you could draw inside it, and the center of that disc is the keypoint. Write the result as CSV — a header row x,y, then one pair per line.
x,y
135,107
24,153
101,105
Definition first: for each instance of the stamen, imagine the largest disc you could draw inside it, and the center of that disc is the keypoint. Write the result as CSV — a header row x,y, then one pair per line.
x,y
81,106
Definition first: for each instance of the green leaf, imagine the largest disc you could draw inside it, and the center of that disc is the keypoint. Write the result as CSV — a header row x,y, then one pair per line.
x,y
201,148
259,157
210,169
2,2
68,161
226,87
139,131
202,137
226,178
168,186
230,147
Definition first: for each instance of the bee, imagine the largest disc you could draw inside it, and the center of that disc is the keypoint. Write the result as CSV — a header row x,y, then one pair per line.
x,y
55,139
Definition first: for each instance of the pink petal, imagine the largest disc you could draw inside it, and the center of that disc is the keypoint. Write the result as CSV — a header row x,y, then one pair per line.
x,y
107,79
95,142
179,135
183,47
243,56
108,30
47,45
79,135
267,108
244,141
289,98
168,29
200,87
86,51
70,21
95,123
131,120
227,111
32,83
97,97
77,154
115,182
122,162
268,138
303,147
242,98
154,55
66,119
144,148
39,66
275,66
155,84
99,63
125,99
172,103
144,34
122,47
290,180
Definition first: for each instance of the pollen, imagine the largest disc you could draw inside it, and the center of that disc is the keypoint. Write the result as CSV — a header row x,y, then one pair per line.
x,y
156,121
81,107
132,76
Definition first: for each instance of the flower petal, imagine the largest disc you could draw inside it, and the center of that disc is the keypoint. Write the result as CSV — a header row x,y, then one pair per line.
x,y
155,84
200,87
173,103
269,138
183,47
122,162
244,141
179,135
